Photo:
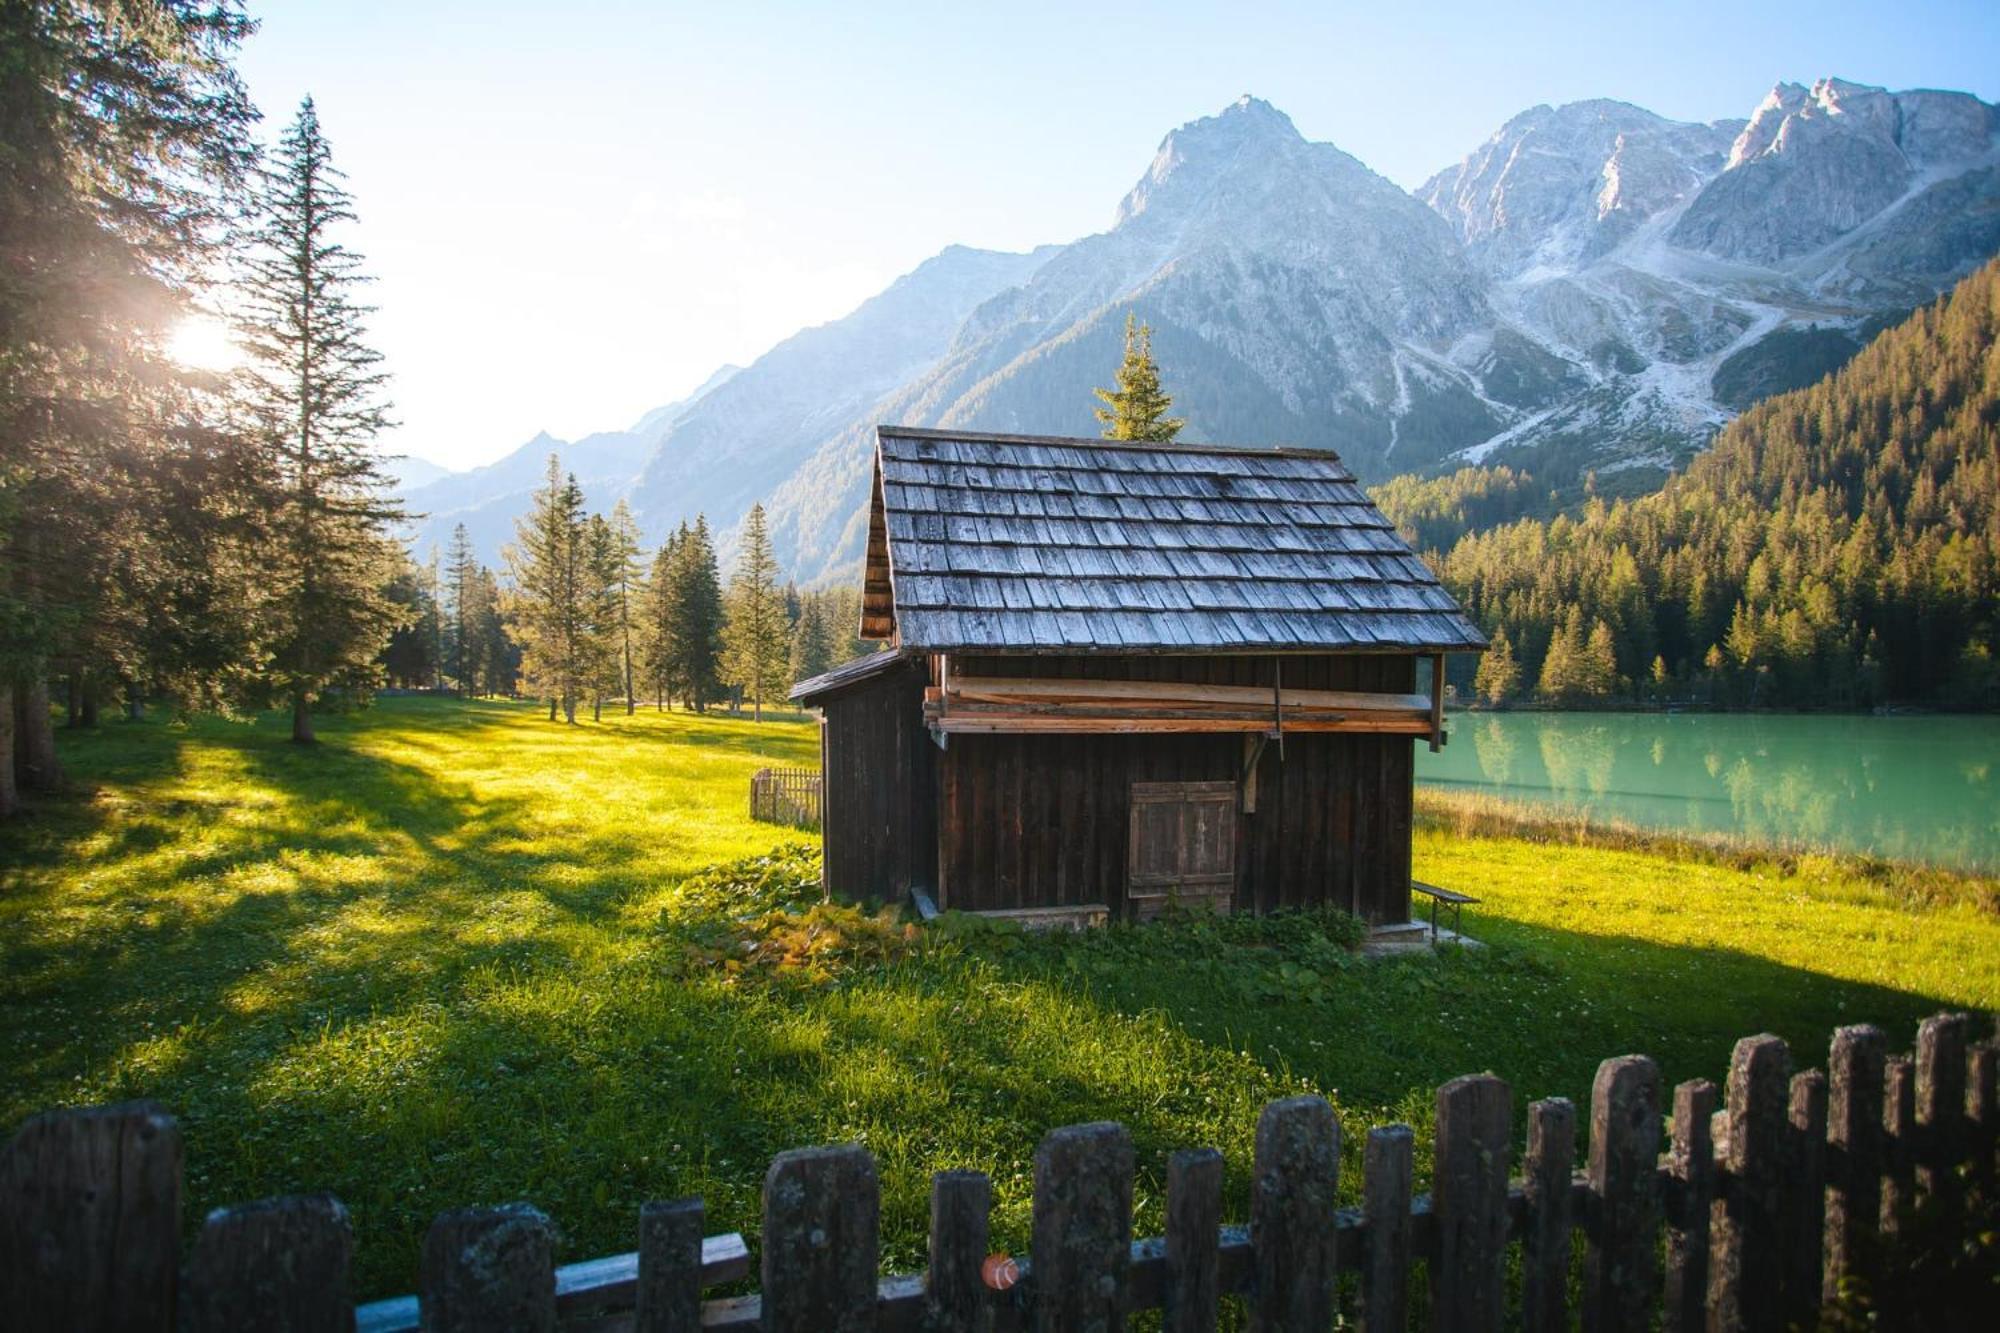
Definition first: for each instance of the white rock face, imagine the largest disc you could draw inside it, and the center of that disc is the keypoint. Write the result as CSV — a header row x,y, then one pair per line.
x,y
1559,186
1814,165
1714,263
1595,286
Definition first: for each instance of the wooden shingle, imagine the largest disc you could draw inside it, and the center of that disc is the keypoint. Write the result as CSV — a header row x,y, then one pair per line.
x,y
1007,543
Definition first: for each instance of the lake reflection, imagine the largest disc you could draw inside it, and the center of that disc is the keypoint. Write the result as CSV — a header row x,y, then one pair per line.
x,y
1912,788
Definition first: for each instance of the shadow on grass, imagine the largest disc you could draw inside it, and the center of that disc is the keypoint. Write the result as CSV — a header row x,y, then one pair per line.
x,y
364,977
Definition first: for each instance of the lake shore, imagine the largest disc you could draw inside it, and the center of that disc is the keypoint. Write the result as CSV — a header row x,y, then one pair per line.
x,y
1915,789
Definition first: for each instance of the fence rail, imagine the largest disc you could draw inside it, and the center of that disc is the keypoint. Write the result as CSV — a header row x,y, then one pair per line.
x,y
1767,1205
786,796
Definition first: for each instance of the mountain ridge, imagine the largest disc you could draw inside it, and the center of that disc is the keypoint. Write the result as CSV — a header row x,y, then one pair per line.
x,y
1594,288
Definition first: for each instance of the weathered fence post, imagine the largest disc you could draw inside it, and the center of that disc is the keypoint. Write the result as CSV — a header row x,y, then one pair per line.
x,y
1854,1156
1385,1277
1982,1109
954,1295
1469,1204
90,1206
1746,1222
1082,1247
1941,1042
1292,1201
1194,1220
669,1295
822,1215
486,1268
1899,1132
275,1264
1805,1197
1692,1166
1545,1247
1620,1272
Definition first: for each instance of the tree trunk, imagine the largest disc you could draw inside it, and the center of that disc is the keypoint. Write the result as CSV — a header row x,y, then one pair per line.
x,y
10,797
90,699
135,703
757,706
302,719
552,708
569,709
73,700
35,765
597,707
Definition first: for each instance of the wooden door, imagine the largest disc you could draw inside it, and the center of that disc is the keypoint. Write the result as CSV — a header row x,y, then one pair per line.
x,y
1183,846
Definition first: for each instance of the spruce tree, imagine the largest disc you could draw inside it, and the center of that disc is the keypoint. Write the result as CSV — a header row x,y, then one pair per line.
x,y
1562,674
758,634
1499,675
314,395
657,649
813,646
604,566
623,558
548,567
462,590
1137,408
495,659
698,618
123,131
1600,663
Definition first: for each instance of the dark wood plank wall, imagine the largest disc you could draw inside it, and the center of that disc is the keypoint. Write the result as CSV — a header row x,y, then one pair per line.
x,y
879,785
1041,821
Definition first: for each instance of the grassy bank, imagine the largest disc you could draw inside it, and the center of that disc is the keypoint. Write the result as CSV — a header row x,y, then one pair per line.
x,y
457,954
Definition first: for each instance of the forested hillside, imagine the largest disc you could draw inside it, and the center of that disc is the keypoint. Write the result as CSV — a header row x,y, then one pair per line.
x,y
1839,546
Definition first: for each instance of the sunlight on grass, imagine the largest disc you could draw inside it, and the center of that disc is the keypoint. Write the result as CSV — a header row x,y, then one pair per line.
x,y
458,954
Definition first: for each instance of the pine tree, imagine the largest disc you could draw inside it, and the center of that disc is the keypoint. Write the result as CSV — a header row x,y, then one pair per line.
x,y
123,130
1599,663
313,392
462,583
1562,676
757,636
409,659
606,573
657,649
547,565
813,646
625,570
1137,408
698,618
495,660
1499,675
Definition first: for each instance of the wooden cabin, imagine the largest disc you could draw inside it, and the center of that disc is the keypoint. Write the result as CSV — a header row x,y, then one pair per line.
x,y
1120,675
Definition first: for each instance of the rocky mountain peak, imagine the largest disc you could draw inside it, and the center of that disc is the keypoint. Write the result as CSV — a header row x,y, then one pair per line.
x,y
1561,185
1816,163
1192,160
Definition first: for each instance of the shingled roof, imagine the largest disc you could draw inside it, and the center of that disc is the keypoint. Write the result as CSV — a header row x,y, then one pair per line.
x,y
1015,543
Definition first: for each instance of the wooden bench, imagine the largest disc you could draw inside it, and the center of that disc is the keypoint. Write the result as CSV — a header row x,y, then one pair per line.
x,y
1450,898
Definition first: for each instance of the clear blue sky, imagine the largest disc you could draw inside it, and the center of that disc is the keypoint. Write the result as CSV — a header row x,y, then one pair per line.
x,y
576,211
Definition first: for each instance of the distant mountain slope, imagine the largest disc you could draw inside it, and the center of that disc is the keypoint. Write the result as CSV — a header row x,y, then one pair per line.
x,y
730,448
1838,545
1566,317
1679,271
1596,289
730,442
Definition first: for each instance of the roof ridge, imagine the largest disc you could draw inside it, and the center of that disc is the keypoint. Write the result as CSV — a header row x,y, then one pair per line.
x,y
1130,446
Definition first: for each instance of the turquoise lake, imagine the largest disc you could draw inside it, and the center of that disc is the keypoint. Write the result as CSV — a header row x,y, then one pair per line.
x,y
1909,788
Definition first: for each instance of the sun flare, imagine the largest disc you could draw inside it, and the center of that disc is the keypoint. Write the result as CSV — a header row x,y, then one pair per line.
x,y
203,342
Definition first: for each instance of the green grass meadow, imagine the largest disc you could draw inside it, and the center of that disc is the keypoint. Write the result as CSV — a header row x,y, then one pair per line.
x,y
458,954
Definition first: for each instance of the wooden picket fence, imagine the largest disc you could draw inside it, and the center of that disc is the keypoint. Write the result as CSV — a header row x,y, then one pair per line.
x,y
1766,1205
786,796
